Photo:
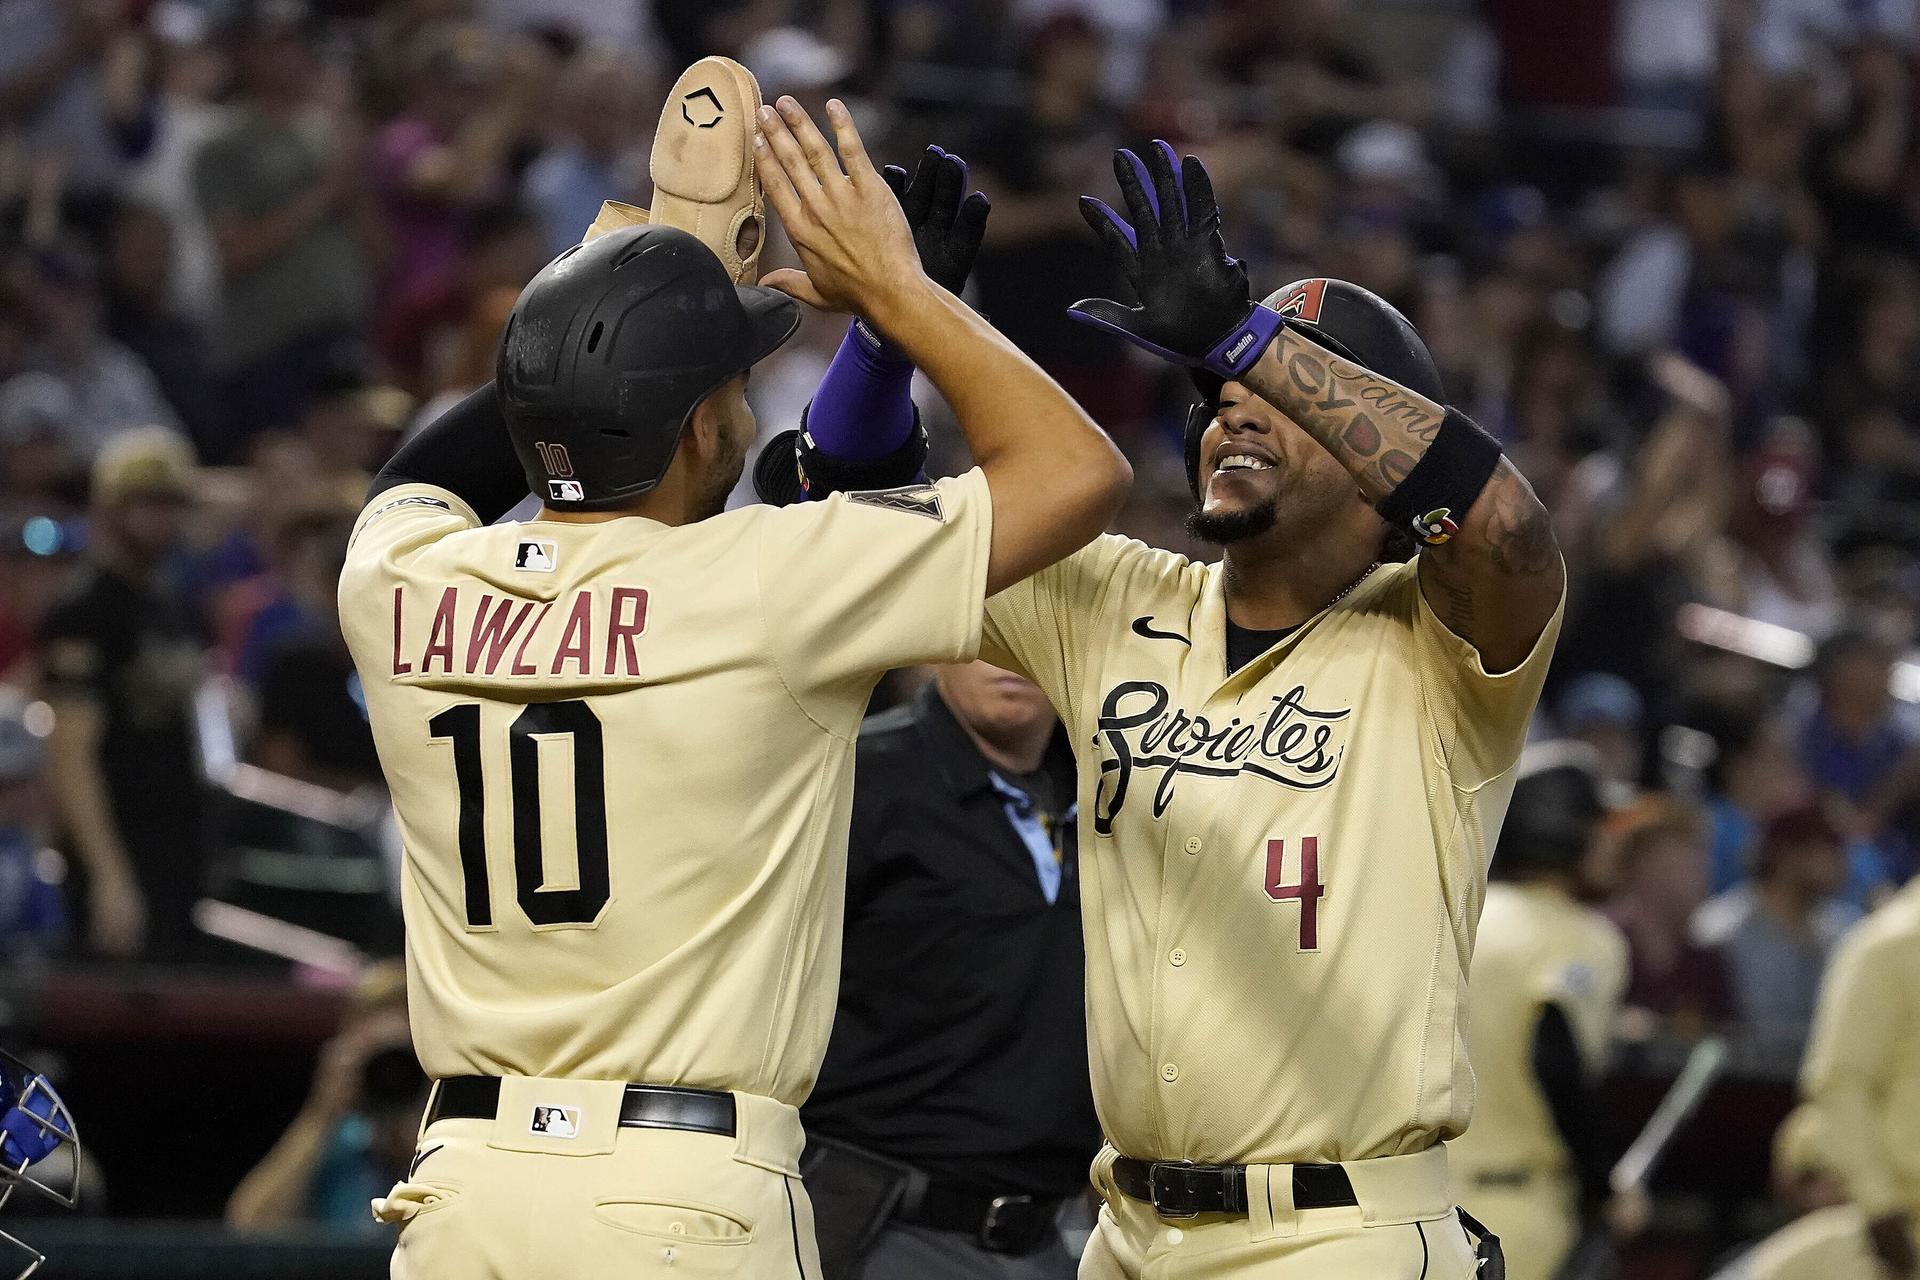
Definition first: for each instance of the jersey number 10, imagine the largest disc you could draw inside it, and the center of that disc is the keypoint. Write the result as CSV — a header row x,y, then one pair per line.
x,y
542,906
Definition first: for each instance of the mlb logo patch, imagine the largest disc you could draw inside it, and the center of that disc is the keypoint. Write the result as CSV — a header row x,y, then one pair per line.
x,y
555,1122
565,491
534,557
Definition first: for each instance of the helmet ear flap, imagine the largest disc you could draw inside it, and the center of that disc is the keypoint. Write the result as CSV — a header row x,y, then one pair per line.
x,y
1198,417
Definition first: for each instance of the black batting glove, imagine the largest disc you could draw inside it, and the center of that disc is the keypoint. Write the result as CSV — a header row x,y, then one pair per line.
x,y
1195,304
946,228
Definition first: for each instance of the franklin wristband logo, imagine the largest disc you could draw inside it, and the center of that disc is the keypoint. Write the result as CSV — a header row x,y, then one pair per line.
x,y
1234,354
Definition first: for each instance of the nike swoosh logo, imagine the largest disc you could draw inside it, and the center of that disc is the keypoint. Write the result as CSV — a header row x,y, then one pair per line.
x,y
421,1158
1144,628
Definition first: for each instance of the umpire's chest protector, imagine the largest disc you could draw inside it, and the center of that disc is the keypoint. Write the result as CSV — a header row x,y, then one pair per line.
x,y
1282,868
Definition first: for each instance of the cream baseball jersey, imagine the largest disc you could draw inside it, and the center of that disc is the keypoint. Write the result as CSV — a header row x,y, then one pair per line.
x,y
1281,868
1862,1072
621,757
1536,946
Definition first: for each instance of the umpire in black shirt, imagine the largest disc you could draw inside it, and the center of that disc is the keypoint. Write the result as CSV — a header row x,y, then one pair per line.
x,y
952,1125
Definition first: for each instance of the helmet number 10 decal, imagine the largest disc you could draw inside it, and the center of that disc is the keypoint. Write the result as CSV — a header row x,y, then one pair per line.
x,y
1307,890
555,458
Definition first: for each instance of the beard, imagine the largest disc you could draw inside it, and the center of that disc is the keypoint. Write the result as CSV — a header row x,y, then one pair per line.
x,y
719,481
1230,527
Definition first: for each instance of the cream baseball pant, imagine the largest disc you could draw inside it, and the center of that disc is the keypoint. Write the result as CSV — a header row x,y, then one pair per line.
x,y
490,1200
1404,1228
1537,1220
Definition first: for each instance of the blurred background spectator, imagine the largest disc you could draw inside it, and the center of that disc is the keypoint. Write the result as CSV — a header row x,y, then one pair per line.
x,y
1774,932
1660,869
1667,250
354,1137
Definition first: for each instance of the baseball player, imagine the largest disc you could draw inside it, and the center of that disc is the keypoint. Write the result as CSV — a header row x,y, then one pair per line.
x,y
1827,1240
1548,975
1293,765
622,767
1862,1078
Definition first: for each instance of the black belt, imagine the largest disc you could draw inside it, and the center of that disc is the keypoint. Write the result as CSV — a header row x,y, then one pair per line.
x,y
1179,1190
645,1106
1002,1223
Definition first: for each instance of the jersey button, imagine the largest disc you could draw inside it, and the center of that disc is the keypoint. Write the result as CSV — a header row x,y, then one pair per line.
x,y
1176,957
1193,844
1175,1235
1169,1073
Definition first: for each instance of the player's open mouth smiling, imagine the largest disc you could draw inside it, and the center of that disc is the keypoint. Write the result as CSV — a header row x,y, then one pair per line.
x,y
1238,459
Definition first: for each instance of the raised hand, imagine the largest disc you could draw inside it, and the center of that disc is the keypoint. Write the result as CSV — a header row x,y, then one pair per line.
x,y
1195,305
946,229
849,230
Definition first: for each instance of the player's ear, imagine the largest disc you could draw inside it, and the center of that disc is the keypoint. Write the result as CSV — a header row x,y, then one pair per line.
x,y
718,417
704,427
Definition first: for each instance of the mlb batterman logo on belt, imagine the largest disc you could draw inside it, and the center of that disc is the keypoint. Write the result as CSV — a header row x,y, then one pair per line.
x,y
555,1122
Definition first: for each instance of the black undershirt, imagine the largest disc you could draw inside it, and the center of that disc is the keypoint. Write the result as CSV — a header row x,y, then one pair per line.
x,y
467,452
1570,1101
1244,644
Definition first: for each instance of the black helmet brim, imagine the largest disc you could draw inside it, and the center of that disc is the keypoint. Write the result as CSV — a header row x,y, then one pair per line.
x,y
772,319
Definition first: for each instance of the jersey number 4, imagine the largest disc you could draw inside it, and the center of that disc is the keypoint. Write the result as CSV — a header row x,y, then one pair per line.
x,y
1307,890
542,906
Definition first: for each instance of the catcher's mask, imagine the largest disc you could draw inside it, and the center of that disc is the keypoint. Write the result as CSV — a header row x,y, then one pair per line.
x,y
35,1128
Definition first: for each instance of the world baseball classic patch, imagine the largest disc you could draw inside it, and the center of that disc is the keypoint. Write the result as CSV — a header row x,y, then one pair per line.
x,y
914,499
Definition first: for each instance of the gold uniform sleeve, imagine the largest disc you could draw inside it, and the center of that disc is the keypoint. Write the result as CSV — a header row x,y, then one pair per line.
x,y
1040,626
1482,717
396,524
1860,1014
865,582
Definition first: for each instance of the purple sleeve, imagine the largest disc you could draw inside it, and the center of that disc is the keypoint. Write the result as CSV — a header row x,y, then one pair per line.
x,y
864,407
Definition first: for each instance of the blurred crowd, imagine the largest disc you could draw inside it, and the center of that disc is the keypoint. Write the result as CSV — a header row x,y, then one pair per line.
x,y
1667,250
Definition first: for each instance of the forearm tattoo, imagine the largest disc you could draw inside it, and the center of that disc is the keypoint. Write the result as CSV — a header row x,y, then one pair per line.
x,y
1377,429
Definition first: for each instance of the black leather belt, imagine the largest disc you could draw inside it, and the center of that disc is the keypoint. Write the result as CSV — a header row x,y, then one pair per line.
x,y
1013,1224
645,1106
1179,1190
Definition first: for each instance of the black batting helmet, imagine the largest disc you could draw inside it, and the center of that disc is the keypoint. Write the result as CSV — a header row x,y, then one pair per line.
x,y
609,349
1349,321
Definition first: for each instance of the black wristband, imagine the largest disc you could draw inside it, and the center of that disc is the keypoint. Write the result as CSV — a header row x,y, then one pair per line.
x,y
1437,493
792,468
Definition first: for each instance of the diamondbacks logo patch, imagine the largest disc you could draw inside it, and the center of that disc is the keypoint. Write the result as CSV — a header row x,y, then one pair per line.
x,y
914,499
555,1122
534,557
1302,301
